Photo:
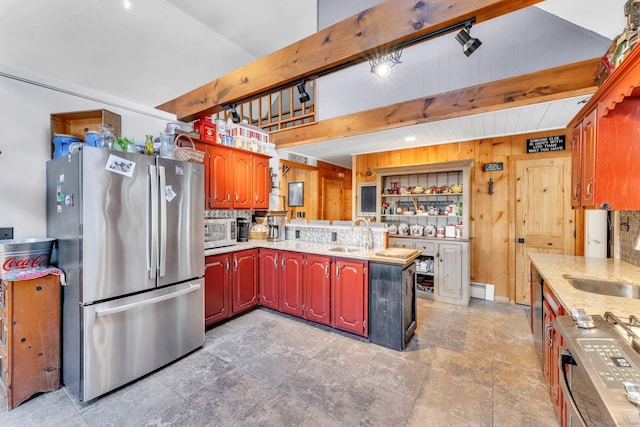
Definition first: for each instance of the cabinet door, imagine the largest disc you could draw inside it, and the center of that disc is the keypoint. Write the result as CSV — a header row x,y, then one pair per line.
x,y
205,148
242,182
220,177
588,176
269,279
217,304
351,306
245,280
291,283
449,271
261,182
317,289
576,165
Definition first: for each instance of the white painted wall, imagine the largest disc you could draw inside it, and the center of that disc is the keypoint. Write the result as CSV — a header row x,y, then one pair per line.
x,y
28,100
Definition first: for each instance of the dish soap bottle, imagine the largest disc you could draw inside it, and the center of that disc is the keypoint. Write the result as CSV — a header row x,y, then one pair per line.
x,y
148,146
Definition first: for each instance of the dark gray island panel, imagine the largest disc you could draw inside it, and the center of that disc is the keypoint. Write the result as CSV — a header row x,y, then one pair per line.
x,y
392,304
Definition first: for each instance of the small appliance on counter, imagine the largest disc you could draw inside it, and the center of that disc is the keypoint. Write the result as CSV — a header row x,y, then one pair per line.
x,y
276,222
243,229
219,232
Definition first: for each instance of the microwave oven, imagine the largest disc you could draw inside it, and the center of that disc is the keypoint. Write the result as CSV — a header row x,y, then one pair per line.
x,y
219,232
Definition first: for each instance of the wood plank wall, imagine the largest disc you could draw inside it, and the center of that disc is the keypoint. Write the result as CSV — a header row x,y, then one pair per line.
x,y
313,197
491,216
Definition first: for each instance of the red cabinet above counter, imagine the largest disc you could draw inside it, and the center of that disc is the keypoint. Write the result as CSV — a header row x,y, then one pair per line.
x,y
606,143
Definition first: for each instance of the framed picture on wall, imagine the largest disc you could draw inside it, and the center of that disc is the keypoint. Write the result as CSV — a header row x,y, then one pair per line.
x,y
296,194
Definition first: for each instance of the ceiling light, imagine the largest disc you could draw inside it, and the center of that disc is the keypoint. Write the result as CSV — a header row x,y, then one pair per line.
x,y
235,118
469,44
126,4
381,64
410,138
304,96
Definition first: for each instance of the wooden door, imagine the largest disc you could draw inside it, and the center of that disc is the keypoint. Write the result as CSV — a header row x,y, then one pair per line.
x,y
243,180
332,199
245,280
448,286
576,165
217,304
588,173
544,218
261,182
220,177
269,279
351,304
291,283
317,289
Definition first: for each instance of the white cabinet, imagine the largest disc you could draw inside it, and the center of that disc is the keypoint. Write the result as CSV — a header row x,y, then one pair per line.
x,y
442,269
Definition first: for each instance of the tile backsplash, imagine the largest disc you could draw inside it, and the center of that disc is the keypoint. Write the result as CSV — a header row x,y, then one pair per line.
x,y
628,237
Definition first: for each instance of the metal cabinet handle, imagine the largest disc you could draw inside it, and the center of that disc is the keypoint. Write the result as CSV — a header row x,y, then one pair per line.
x,y
236,196
275,261
235,264
228,197
326,270
549,328
576,192
226,265
282,262
589,193
337,271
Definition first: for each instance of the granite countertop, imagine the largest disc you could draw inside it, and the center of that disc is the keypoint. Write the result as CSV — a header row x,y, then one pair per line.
x,y
553,267
310,248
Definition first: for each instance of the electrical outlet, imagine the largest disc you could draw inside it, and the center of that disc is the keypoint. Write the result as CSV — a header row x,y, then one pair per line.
x,y
6,233
297,234
334,236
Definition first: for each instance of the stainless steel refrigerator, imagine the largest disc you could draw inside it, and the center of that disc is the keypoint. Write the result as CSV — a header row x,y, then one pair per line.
x,y
129,232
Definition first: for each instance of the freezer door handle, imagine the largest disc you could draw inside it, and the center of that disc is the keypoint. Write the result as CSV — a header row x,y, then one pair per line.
x,y
152,225
126,307
163,221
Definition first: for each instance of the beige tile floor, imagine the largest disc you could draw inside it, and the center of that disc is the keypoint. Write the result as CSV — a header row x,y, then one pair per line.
x,y
465,366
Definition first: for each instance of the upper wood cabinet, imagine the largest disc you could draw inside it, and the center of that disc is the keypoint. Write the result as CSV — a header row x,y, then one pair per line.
x,y
235,178
606,143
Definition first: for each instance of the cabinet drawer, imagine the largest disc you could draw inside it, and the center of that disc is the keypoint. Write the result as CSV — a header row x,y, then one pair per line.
x,y
402,243
427,248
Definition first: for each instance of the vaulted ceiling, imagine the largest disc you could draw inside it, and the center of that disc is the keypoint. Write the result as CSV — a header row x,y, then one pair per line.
x,y
160,49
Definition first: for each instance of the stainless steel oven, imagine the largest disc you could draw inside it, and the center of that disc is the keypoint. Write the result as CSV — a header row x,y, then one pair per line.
x,y
595,363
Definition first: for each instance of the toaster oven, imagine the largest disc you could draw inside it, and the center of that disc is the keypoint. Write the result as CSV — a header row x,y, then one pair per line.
x,y
219,232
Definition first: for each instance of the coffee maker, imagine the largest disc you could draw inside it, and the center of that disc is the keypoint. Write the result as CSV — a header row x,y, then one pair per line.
x,y
275,221
243,229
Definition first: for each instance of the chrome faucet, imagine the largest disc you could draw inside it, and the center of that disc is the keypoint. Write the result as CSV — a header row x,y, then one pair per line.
x,y
368,244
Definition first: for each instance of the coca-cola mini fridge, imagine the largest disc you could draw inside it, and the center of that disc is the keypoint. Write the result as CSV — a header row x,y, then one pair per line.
x,y
129,239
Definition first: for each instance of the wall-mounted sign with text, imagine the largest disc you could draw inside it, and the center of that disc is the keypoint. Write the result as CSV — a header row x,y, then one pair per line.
x,y
546,144
492,167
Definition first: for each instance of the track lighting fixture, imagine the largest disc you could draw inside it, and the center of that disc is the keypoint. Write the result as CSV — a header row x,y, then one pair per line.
x,y
235,118
304,96
381,64
469,44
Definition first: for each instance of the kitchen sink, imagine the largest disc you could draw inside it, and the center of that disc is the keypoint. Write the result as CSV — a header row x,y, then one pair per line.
x,y
604,287
345,249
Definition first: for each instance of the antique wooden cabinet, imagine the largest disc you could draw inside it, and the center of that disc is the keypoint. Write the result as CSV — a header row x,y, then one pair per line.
x,y
217,294
29,337
351,296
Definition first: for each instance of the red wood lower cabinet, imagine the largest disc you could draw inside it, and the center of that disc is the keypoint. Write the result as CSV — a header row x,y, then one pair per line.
x,y
318,273
291,264
351,294
244,284
551,308
269,278
217,301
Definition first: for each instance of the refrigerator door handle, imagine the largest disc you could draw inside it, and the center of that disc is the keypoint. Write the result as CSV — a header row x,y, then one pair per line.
x,y
126,307
152,223
163,221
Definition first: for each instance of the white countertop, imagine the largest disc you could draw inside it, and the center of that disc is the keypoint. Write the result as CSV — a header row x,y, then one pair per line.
x,y
305,247
553,267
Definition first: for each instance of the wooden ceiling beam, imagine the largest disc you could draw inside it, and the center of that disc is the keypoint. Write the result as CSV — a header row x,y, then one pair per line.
x,y
542,86
387,24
